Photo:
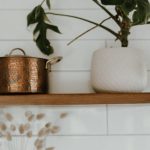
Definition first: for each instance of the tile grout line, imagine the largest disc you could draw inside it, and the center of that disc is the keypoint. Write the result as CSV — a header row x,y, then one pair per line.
x,y
107,120
88,135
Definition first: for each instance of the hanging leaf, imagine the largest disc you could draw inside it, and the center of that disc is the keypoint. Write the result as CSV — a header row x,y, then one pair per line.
x,y
42,42
48,4
38,16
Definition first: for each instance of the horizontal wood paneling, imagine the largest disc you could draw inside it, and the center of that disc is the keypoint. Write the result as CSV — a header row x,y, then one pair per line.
x,y
88,143
69,27
129,119
70,82
97,143
56,4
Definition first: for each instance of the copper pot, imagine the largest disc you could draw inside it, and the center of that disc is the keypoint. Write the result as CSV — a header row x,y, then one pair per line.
x,y
24,74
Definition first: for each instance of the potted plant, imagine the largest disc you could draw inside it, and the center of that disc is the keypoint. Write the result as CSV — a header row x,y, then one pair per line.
x,y
119,69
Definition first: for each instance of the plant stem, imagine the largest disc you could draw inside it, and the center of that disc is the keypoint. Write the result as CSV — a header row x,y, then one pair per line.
x,y
87,31
42,2
89,21
108,12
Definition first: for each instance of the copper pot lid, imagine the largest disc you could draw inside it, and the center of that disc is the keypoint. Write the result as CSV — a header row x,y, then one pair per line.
x,y
50,61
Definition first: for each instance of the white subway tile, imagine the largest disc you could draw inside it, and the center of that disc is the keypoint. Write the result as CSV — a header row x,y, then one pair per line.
x,y
69,27
70,82
81,142
63,4
147,90
18,143
103,143
129,119
80,120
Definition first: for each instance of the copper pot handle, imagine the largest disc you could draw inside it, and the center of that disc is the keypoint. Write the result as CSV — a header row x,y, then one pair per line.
x,y
53,61
15,49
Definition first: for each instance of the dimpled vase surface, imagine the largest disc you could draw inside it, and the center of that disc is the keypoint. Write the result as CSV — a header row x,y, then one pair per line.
x,y
118,70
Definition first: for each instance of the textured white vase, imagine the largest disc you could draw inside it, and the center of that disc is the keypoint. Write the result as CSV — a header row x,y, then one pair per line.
x,y
118,70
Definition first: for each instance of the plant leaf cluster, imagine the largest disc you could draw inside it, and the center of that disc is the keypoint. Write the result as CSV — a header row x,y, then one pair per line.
x,y
140,9
38,17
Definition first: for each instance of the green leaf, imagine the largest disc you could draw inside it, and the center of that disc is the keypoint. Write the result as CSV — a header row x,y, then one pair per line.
x,y
42,42
141,14
48,4
37,14
31,17
112,2
53,28
44,45
128,6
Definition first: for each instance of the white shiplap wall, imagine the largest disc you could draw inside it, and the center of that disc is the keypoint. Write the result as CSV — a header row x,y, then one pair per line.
x,y
107,127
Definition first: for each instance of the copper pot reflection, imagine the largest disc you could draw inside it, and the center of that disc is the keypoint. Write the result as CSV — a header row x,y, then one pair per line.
x,y
24,74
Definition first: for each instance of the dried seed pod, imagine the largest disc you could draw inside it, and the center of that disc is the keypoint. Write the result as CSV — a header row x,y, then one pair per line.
x,y
21,129
48,131
28,113
12,127
42,132
29,134
55,129
30,118
48,125
39,143
3,127
8,116
63,115
40,116
8,136
27,126
50,148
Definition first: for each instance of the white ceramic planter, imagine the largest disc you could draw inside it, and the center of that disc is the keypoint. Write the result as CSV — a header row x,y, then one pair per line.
x,y
118,70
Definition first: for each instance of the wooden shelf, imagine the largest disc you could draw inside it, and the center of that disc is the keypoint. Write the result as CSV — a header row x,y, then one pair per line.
x,y
74,99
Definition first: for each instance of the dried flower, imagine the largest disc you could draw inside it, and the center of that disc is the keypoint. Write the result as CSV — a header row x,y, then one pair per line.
x,y
40,116
3,127
12,127
8,136
47,125
30,118
28,113
39,143
21,129
42,132
55,129
8,116
29,134
26,126
63,115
